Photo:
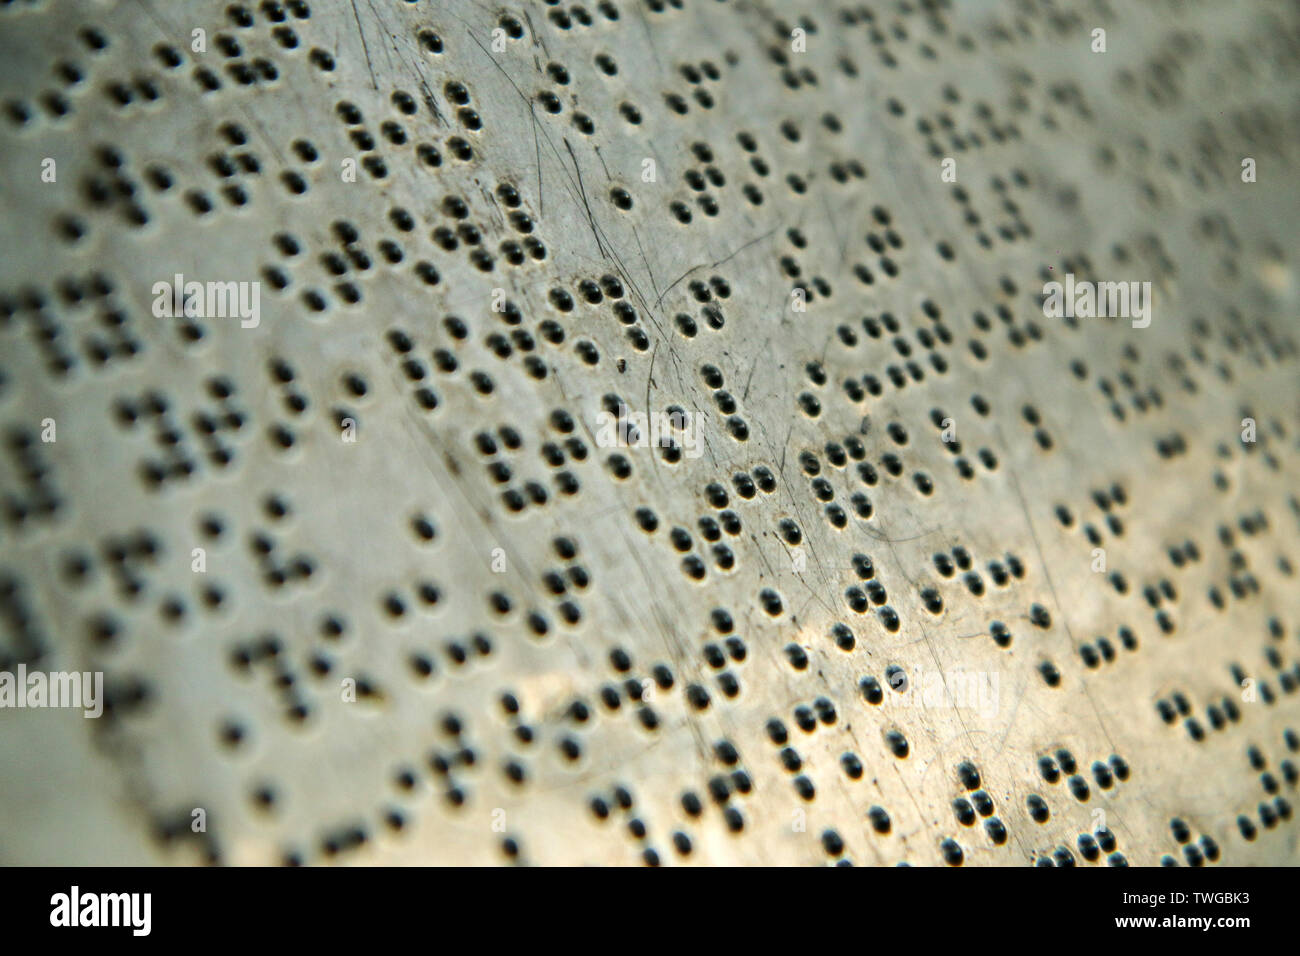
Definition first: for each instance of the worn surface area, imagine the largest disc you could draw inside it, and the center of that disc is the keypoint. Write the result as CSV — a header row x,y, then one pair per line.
x,y
823,632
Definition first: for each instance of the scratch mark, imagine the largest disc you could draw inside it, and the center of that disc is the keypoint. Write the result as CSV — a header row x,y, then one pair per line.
x,y
713,265
365,47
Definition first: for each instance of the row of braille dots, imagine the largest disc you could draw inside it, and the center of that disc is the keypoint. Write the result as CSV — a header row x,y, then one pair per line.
x,y
126,556
948,563
1289,681
553,453
1019,336
710,312
502,346
1068,95
1144,401
1104,773
123,93
457,757
426,593
429,594
842,171
281,435
1176,365
856,390
41,500
1009,231
1091,845
860,599
35,301
699,180
942,124
968,809
1279,808
807,718
25,639
452,206
120,344
112,188
840,632
565,18
429,156
1204,850
560,582
583,122
118,189
637,690
938,418
267,654
1267,439
415,369
722,787
779,52
1148,400
1288,678
1241,581
936,27
570,576
1262,343
620,466
838,454
353,256
498,601
580,713
726,403
959,559
711,528
1154,595
176,464
1107,500
594,293
1203,157
875,328
70,72
880,245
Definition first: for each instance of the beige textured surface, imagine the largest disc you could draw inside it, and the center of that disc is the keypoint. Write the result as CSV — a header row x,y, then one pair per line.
x,y
816,169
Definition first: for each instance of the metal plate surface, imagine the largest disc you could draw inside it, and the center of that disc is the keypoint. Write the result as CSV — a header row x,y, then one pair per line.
x,y
928,575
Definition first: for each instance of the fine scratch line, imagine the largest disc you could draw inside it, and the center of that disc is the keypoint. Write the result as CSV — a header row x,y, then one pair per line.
x,y
583,190
711,265
365,47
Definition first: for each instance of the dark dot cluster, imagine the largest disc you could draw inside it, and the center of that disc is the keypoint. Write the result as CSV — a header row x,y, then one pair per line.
x,y
645,455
